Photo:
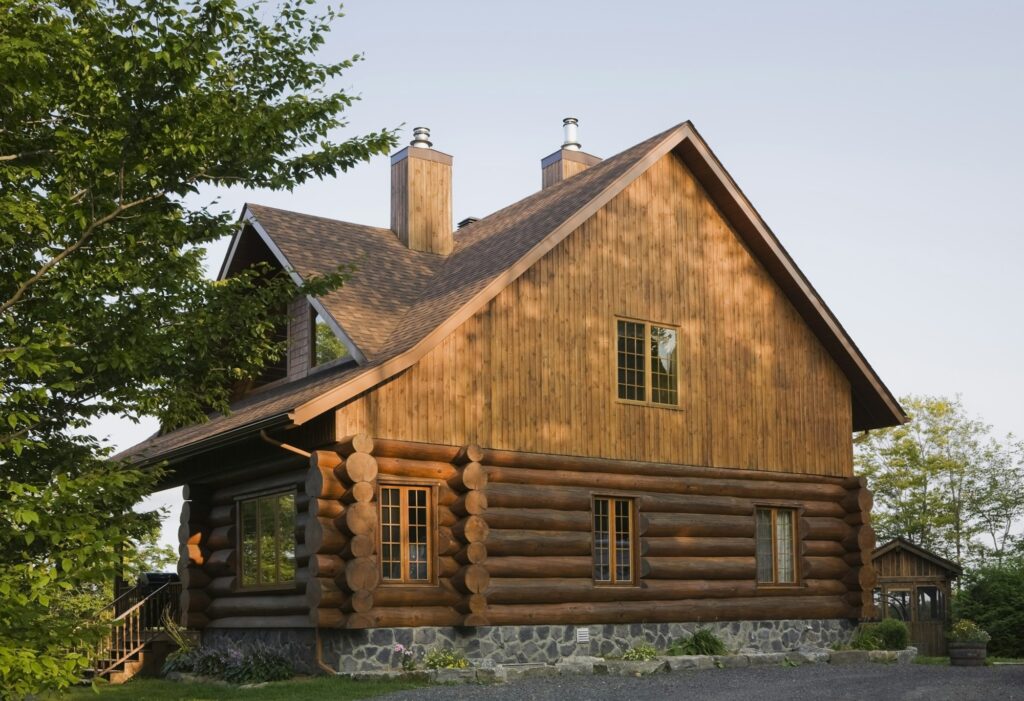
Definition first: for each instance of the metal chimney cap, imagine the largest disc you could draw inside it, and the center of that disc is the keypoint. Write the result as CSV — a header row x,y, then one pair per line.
x,y
570,125
421,138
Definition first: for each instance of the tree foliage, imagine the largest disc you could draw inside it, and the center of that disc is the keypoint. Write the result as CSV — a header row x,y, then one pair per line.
x,y
945,482
993,597
116,117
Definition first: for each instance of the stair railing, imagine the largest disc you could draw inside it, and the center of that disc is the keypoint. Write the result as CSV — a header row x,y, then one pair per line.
x,y
135,619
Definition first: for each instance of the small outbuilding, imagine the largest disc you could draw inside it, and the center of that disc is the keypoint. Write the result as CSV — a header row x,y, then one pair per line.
x,y
914,586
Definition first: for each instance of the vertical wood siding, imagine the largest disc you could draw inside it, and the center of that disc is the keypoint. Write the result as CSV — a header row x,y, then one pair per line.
x,y
534,370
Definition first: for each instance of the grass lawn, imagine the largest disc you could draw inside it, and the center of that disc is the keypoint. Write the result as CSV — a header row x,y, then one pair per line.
x,y
307,689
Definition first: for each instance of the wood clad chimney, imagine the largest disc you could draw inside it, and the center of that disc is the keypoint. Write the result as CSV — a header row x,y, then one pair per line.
x,y
421,196
568,160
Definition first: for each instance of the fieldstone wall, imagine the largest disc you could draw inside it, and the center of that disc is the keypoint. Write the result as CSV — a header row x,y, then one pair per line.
x,y
374,649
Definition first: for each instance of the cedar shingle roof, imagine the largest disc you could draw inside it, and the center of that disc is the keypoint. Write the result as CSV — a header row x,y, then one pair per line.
x,y
400,303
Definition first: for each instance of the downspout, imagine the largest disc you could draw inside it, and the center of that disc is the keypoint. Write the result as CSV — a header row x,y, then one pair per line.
x,y
316,627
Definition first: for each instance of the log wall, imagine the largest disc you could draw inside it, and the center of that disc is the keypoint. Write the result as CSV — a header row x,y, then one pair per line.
x,y
513,543
534,370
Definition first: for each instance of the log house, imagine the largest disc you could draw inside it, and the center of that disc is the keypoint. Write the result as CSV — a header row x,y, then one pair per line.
x,y
615,401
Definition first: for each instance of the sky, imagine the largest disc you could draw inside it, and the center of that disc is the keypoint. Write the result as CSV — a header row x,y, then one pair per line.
x,y
881,142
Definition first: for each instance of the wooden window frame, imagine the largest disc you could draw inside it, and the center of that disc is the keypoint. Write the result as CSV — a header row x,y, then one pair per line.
x,y
240,542
633,541
648,383
797,539
404,485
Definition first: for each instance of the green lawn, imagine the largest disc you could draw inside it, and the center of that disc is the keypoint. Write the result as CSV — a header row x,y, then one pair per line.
x,y
307,689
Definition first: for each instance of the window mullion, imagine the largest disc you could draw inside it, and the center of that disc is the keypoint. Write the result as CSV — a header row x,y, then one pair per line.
x,y
403,535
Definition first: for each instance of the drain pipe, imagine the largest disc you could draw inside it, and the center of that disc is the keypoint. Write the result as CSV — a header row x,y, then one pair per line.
x,y
316,629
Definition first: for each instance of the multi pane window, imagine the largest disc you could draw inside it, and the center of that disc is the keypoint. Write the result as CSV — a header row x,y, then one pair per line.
x,y
405,524
267,537
613,540
647,362
776,546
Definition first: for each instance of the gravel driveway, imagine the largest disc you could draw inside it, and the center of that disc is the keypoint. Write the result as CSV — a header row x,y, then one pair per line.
x,y
855,683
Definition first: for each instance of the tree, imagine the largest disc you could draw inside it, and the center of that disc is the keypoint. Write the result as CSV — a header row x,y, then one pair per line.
x,y
993,597
116,117
943,481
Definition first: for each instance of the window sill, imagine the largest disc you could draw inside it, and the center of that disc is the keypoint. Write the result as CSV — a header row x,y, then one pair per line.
x,y
649,405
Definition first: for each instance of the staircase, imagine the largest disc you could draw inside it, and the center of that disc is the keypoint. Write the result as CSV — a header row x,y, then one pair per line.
x,y
136,623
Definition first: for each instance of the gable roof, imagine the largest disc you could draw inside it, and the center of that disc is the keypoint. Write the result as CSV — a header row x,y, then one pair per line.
x,y
904,544
406,303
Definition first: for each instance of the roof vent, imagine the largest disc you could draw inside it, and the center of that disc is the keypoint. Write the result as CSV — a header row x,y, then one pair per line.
x,y
571,126
467,221
421,137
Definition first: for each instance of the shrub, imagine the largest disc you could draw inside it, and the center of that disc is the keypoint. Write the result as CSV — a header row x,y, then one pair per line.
x,y
251,665
702,642
993,597
640,653
890,634
444,658
967,631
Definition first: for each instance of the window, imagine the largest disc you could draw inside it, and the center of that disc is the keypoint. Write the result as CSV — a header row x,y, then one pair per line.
x,y
897,604
325,345
776,545
647,363
930,605
613,540
405,528
267,537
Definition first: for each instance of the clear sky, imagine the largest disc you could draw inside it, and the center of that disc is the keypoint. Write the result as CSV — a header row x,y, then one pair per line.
x,y
881,141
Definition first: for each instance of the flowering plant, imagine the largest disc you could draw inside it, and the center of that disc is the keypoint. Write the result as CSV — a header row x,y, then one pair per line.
x,y
406,655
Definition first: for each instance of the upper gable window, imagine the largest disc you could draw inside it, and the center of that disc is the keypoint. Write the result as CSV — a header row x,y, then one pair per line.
x,y
326,347
647,362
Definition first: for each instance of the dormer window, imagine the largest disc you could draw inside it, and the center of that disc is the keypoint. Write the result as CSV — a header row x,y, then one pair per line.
x,y
325,347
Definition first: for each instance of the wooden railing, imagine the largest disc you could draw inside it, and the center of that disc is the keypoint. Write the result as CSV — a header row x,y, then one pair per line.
x,y
136,618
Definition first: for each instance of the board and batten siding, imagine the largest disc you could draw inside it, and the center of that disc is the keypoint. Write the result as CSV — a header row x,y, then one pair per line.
x,y
534,370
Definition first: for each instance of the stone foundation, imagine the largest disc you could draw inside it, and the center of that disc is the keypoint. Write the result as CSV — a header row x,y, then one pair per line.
x,y
368,650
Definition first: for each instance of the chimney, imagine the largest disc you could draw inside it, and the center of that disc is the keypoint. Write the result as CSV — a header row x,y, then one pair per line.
x,y
421,195
567,161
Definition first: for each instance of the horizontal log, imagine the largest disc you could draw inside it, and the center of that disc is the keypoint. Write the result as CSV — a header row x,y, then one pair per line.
x,y
447,567
221,562
191,554
415,451
699,526
862,578
327,618
194,600
469,477
685,546
541,461
194,513
356,443
443,594
257,605
474,620
732,609
222,537
522,543
417,469
322,537
359,602
221,586
324,593
325,460
539,519
361,573
472,579
223,515
359,621
358,546
564,498
468,453
472,529
470,503
359,492
284,480
293,621
823,548
825,528
192,576
543,567
322,484
445,516
583,589
326,508
858,501
413,616
193,620
472,554
739,486
860,538
357,467
472,603
824,567
701,567
447,543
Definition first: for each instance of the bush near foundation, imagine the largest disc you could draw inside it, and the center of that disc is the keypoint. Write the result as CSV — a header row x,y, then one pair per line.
x,y
890,634
702,642
445,658
250,665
